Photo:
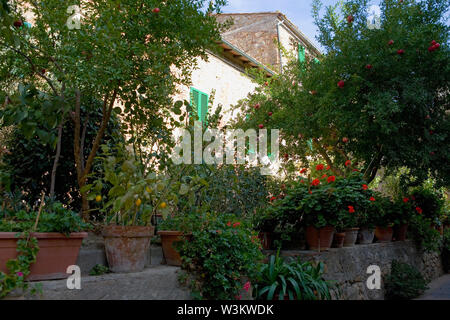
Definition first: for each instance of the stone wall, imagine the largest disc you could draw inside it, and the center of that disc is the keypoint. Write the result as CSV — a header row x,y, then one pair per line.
x,y
348,266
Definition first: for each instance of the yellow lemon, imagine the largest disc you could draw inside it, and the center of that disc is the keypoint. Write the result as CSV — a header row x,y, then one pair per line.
x,y
138,202
163,205
98,198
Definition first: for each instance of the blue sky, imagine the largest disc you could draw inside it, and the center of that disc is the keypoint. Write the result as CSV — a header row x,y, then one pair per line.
x,y
298,11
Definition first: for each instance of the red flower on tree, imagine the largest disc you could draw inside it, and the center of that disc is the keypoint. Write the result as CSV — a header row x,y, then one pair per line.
x,y
331,179
405,200
351,209
347,163
365,187
372,199
315,182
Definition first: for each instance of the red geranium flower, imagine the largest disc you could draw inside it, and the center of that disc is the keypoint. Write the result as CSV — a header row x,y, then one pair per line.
x,y
331,179
328,167
341,84
323,177
351,209
315,182
236,224
229,223
319,167
372,199
303,170
419,210
365,187
347,163
273,199
405,200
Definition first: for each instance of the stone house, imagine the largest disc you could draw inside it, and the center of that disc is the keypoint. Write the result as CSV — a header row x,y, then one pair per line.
x,y
251,42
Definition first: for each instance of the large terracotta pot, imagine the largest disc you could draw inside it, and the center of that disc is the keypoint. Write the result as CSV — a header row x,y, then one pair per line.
x,y
319,239
384,234
366,235
400,232
168,239
127,247
266,240
338,240
351,234
56,253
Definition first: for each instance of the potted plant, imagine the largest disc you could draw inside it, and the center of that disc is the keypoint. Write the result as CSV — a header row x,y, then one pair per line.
x,y
339,236
383,219
59,233
265,223
401,217
175,229
128,207
368,219
319,210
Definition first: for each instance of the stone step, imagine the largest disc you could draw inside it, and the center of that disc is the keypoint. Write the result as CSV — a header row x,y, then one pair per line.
x,y
154,283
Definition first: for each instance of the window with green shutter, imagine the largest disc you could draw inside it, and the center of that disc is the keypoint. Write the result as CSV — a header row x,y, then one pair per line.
x,y
301,53
199,101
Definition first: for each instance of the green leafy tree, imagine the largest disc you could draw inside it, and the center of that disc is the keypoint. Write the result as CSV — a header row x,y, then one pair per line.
x,y
379,97
123,54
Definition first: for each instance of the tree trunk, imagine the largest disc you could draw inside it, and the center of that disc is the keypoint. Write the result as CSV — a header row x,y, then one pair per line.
x,y
84,170
56,160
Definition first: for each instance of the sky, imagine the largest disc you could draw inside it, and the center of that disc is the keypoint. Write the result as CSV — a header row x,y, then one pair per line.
x,y
298,11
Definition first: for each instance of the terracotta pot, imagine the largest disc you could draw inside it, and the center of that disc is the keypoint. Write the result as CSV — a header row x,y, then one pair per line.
x,y
365,236
351,234
384,234
56,253
400,232
127,247
338,240
325,235
266,240
168,239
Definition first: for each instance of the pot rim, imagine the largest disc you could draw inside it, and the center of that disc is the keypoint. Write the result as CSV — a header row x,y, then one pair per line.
x,y
172,233
46,235
116,231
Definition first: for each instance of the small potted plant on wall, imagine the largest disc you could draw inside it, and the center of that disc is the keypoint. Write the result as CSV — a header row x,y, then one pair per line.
x,y
401,217
368,219
384,221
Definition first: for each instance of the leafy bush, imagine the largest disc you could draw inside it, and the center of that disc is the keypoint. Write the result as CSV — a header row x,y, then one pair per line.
x,y
430,202
404,282
296,280
222,251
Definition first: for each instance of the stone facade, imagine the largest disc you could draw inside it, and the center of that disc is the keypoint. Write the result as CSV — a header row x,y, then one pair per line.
x,y
348,266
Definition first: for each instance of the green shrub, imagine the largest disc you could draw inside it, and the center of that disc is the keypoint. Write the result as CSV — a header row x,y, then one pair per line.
x,y
424,234
222,251
430,201
296,280
404,282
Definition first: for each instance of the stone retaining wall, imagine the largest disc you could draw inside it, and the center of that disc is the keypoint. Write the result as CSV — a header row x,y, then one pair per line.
x,y
348,266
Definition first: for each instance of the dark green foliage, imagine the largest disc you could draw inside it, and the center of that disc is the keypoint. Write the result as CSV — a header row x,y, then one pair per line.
x,y
54,218
430,201
221,252
98,270
296,280
404,282
30,162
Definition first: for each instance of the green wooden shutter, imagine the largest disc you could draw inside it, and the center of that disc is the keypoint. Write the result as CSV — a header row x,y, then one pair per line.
x,y
203,107
301,53
200,101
